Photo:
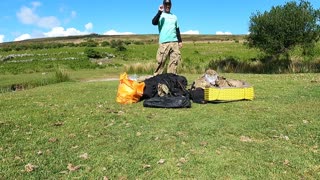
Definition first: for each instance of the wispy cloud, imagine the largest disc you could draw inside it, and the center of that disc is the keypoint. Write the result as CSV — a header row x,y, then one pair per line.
x,y
48,22
73,14
36,4
223,33
27,15
113,32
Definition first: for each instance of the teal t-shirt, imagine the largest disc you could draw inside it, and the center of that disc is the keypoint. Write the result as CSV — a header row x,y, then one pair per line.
x,y
167,27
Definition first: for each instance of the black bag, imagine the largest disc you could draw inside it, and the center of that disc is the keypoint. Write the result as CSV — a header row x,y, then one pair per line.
x,y
197,95
176,84
168,102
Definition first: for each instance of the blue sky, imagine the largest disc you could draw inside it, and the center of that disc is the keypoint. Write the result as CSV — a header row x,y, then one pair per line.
x,y
27,19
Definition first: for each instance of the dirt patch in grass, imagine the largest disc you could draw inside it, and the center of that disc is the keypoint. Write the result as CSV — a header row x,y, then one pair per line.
x,y
101,80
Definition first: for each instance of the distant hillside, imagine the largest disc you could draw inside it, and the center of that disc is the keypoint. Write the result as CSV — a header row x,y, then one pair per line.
x,y
143,38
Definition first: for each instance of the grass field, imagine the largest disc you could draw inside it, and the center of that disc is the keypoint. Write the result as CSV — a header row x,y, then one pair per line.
x,y
77,130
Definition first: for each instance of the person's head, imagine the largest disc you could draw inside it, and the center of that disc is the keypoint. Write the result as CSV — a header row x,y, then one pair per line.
x,y
167,5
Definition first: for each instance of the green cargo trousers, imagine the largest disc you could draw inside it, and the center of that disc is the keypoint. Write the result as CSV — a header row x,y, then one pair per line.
x,y
171,50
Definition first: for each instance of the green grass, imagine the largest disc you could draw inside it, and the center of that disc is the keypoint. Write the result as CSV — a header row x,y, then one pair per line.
x,y
27,81
196,57
275,136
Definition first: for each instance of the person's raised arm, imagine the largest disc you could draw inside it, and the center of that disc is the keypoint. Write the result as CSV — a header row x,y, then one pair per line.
x,y
155,20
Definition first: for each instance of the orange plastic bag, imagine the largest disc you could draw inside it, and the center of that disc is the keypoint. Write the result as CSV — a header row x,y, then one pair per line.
x,y
129,91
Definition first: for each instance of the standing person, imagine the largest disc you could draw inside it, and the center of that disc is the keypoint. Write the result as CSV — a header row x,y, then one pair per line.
x,y
170,40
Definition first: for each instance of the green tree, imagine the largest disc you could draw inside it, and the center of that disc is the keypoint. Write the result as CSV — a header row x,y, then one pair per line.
x,y
285,27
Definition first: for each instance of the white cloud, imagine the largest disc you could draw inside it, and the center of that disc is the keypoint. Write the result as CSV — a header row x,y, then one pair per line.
x,y
89,26
55,32
113,32
27,16
1,38
60,31
23,37
223,33
191,32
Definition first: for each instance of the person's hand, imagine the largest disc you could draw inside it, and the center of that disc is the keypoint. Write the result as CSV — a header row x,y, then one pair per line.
x,y
161,8
180,44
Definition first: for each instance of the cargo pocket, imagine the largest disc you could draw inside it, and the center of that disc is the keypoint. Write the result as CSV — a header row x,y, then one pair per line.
x,y
161,54
175,58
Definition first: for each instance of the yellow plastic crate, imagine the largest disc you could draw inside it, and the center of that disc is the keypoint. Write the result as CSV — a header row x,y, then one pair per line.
x,y
229,94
